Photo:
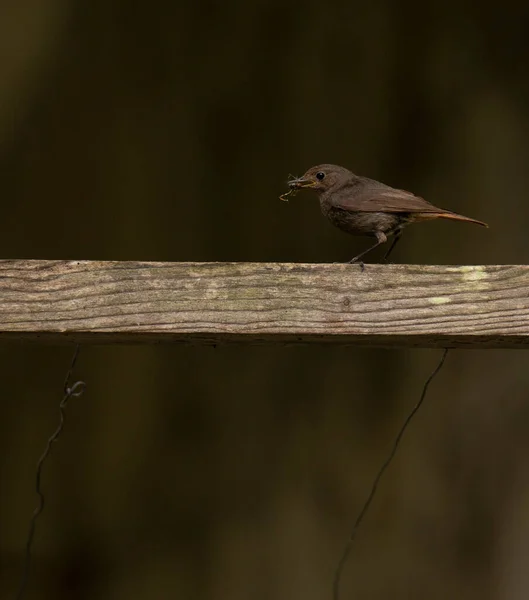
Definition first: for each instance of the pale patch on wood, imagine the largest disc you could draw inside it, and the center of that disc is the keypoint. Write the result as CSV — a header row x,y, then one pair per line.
x,y
440,300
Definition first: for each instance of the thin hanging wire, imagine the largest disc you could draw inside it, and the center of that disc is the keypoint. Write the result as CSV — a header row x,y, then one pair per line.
x,y
385,465
68,392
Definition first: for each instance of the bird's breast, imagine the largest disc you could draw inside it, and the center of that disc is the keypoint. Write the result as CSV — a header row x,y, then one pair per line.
x,y
358,222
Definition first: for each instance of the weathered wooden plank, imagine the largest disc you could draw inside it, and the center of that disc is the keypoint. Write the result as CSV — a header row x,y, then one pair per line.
x,y
387,305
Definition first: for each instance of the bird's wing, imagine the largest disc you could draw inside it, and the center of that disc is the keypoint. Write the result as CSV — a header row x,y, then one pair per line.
x,y
384,200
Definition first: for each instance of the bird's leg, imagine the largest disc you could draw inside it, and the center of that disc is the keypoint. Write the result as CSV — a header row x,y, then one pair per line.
x,y
381,239
396,238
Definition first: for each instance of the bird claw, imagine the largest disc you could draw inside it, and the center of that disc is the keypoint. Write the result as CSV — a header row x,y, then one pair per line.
x,y
355,260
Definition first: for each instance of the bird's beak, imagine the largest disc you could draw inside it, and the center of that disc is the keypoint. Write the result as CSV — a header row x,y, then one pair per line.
x,y
301,182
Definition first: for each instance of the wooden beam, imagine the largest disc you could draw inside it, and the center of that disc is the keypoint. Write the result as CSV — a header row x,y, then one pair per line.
x,y
387,305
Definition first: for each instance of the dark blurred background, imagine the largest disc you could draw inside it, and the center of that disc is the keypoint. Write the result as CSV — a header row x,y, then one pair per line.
x,y
166,131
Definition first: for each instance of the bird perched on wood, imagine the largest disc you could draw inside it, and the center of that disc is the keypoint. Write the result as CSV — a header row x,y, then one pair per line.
x,y
363,206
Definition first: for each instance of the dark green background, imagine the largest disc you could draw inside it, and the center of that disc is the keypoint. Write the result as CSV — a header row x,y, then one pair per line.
x,y
166,131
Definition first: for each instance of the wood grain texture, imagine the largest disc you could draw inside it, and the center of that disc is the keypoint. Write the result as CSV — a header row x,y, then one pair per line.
x,y
387,305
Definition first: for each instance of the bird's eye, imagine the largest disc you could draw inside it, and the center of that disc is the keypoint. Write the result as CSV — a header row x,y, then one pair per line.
x,y
320,175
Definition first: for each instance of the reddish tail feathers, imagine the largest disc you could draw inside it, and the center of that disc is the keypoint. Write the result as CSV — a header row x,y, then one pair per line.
x,y
450,215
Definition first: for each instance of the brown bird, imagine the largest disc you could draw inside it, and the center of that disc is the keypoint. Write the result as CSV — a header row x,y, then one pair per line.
x,y
363,206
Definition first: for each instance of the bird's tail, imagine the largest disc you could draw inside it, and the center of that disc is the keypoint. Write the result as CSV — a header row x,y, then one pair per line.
x,y
453,216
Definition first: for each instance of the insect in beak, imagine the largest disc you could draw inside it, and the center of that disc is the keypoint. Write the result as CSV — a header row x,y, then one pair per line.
x,y
293,189
295,184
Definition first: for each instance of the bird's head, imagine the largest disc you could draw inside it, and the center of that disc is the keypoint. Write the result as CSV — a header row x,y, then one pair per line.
x,y
321,178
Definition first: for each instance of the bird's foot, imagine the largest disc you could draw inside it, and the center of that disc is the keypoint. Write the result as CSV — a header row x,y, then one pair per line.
x,y
355,260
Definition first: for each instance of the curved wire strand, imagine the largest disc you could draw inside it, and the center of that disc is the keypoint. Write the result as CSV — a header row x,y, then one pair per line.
x,y
385,465
68,392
